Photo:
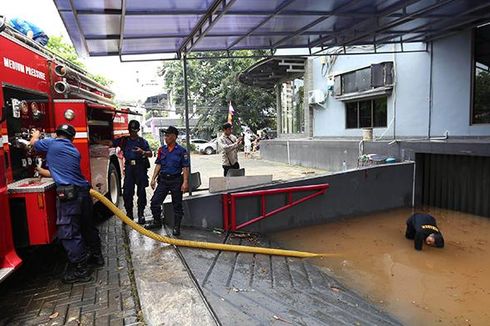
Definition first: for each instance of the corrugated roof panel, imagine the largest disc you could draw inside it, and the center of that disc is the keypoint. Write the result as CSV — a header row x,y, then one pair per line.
x,y
100,25
159,25
215,43
151,45
101,47
151,5
96,5
163,26
237,24
257,5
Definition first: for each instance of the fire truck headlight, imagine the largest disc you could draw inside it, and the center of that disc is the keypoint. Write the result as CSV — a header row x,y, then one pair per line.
x,y
69,114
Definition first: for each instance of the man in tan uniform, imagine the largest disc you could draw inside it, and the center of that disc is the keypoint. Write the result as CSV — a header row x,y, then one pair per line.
x,y
229,144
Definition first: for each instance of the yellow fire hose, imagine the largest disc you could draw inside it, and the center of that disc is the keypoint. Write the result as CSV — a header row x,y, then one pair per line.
x,y
198,244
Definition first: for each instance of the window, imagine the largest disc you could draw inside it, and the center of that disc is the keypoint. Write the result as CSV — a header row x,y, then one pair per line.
x,y
365,114
481,74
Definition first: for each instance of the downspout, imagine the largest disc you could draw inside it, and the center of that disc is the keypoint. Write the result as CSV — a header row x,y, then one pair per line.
x,y
394,91
430,87
186,106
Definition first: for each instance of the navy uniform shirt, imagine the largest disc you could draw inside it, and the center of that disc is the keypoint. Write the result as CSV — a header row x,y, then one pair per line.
x,y
129,145
63,160
419,227
173,161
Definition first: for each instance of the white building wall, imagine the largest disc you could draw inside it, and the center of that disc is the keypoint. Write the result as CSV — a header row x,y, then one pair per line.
x,y
408,114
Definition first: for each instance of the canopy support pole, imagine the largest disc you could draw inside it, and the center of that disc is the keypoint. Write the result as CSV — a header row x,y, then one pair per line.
x,y
187,131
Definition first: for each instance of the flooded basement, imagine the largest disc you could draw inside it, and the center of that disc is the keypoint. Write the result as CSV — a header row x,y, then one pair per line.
x,y
449,286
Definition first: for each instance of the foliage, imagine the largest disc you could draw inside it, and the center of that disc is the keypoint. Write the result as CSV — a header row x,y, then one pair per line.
x,y
102,79
481,105
213,83
64,50
154,143
67,52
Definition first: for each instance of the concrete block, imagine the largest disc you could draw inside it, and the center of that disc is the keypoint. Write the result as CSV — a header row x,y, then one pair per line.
x,y
218,184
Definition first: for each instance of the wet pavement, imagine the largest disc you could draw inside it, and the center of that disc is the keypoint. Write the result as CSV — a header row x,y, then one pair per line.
x,y
166,291
448,286
35,295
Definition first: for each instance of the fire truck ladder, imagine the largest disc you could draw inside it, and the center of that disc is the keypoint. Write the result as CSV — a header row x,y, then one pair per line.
x,y
230,203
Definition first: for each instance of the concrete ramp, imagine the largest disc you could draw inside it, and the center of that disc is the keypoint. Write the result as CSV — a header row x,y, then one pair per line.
x,y
246,289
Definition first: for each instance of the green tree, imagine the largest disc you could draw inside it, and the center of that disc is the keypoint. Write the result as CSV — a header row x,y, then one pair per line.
x,y
67,52
481,102
213,83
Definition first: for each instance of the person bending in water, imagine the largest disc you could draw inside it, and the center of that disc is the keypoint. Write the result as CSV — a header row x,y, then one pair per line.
x,y
423,228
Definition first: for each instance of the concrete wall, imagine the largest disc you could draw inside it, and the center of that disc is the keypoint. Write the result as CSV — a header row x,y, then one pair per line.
x,y
351,193
317,153
409,104
330,154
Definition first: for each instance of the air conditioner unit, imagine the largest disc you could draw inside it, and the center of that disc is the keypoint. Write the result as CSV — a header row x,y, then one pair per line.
x,y
316,96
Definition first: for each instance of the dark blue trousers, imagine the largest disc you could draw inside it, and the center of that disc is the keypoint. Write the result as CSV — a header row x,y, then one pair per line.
x,y
75,228
166,185
135,175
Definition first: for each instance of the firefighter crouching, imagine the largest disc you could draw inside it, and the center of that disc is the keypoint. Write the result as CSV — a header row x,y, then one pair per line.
x,y
75,228
136,152
172,172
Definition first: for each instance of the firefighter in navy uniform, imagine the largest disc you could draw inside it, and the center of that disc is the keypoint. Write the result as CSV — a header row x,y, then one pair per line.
x,y
75,228
423,228
172,172
136,151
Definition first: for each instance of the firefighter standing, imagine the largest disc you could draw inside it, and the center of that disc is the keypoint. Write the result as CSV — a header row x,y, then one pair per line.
x,y
172,172
136,151
75,228
423,228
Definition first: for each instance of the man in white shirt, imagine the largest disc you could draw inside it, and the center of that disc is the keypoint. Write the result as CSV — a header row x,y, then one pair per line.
x,y
229,144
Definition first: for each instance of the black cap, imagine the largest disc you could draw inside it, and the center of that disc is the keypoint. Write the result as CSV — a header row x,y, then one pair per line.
x,y
172,130
438,240
226,125
66,130
134,125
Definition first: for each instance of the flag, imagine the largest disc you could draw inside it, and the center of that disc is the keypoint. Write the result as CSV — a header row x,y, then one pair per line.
x,y
231,111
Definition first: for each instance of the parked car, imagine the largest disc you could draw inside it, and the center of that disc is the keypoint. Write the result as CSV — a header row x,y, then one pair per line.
x,y
197,141
208,148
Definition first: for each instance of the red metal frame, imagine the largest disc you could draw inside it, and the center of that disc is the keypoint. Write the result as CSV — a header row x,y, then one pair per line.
x,y
230,205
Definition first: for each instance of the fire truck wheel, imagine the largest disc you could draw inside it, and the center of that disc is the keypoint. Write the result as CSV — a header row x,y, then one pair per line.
x,y
113,193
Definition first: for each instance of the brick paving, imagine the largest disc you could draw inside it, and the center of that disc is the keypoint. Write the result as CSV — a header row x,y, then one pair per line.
x,y
35,295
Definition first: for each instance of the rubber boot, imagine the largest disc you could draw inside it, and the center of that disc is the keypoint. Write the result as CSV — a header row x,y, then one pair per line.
x,y
176,230
95,259
141,216
77,273
155,224
129,212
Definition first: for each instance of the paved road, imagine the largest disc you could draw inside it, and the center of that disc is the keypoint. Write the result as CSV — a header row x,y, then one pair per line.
x,y
210,166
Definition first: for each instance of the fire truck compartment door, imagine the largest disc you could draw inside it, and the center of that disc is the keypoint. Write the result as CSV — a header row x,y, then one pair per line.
x,y
33,210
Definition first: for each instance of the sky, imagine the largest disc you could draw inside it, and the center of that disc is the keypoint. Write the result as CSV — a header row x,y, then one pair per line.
x,y
125,75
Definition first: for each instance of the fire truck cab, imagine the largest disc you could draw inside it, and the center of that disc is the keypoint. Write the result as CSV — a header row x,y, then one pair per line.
x,y
39,90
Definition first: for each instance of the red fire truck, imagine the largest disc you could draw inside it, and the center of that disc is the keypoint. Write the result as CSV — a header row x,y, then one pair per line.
x,y
40,90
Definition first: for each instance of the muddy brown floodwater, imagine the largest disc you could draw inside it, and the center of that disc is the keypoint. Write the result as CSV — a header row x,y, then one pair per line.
x,y
449,286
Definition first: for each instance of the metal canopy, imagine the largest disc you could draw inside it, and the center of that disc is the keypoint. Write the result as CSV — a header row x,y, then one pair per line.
x,y
177,27
268,72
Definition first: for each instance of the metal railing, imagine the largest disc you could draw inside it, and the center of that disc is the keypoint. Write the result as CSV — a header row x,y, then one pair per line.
x,y
230,203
